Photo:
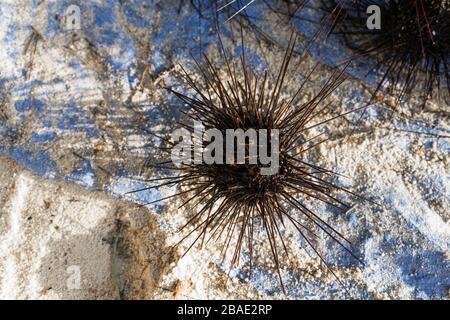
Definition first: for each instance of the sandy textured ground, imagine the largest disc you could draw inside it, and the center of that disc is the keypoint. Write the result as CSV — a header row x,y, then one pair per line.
x,y
76,107
60,241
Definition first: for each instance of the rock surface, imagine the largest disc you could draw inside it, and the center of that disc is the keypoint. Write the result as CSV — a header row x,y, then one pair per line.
x,y
59,241
77,106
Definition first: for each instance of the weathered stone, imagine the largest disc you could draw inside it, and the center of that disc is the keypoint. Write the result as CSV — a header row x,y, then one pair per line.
x,y
60,241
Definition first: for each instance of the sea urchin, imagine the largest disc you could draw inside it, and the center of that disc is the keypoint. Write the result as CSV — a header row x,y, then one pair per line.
x,y
412,47
233,198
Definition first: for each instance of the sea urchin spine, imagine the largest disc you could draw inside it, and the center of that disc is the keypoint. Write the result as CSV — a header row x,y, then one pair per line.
x,y
233,199
412,47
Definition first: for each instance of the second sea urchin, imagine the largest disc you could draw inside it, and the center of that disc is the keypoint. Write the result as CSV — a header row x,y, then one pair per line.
x,y
412,47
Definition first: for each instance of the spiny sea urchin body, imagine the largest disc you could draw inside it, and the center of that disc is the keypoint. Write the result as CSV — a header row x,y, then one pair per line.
x,y
233,197
412,47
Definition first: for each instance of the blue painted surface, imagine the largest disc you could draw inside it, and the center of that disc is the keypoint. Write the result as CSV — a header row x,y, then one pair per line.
x,y
39,162
423,268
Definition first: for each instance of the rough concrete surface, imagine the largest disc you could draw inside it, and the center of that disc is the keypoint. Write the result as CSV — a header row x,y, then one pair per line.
x,y
59,241
78,114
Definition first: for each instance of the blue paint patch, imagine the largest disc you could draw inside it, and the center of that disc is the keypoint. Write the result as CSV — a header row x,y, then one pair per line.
x,y
108,37
46,123
124,185
254,61
29,104
190,33
84,175
426,271
437,185
43,137
132,15
104,15
75,65
39,162
159,60
75,119
443,145
27,85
